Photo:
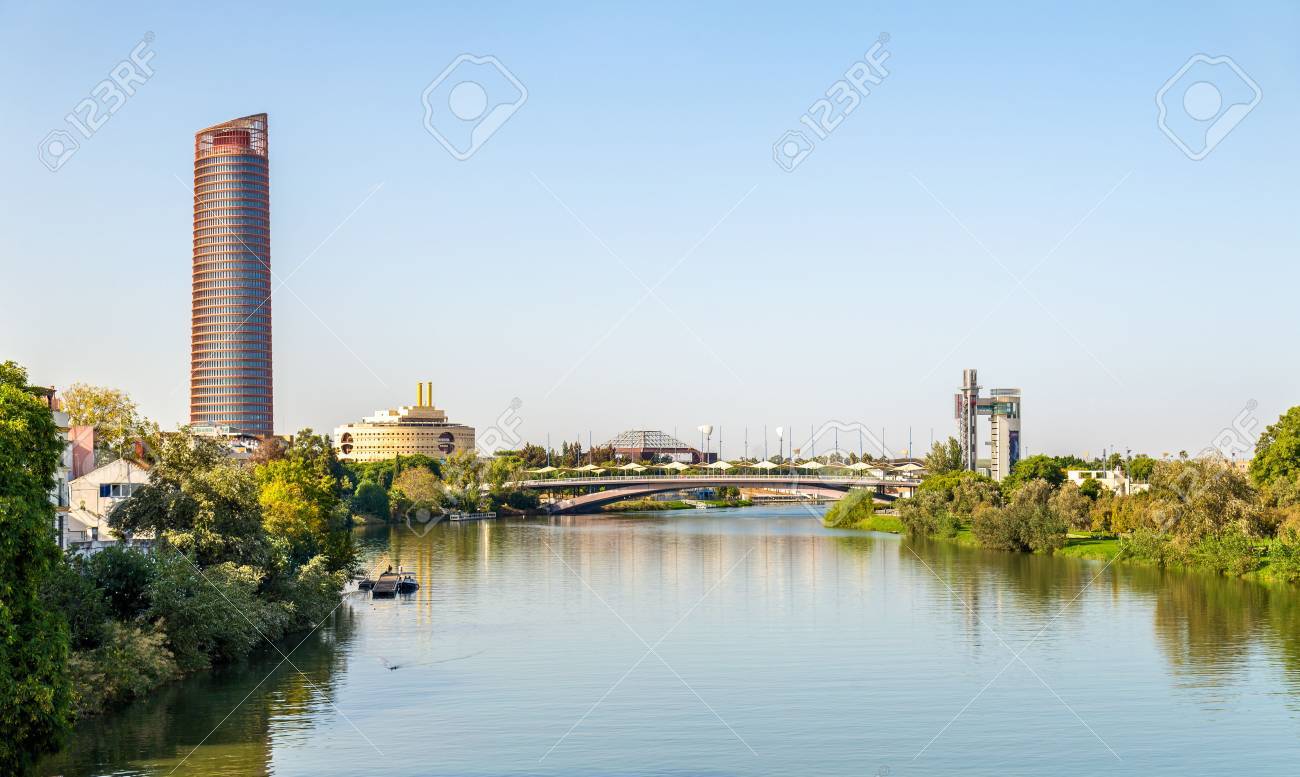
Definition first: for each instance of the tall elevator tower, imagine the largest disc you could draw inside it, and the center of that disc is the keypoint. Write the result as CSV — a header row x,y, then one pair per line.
x,y
966,410
1002,406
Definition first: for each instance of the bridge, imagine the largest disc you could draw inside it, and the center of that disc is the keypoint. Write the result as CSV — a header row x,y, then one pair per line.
x,y
606,489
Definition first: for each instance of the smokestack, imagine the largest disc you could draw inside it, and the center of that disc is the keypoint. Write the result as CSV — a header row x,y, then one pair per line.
x,y
419,389
429,393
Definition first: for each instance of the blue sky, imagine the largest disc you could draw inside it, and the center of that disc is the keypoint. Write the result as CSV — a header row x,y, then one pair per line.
x,y
1007,140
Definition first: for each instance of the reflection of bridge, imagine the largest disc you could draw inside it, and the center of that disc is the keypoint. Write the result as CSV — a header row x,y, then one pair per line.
x,y
606,489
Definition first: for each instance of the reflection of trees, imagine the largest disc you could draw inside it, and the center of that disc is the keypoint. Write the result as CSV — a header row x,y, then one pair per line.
x,y
1206,625
179,716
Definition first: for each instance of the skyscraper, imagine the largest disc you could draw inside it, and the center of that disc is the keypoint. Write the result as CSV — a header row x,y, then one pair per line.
x,y
230,325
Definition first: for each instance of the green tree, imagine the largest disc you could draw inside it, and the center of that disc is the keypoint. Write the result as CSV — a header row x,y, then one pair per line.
x,y
198,502
370,499
944,457
35,695
1195,498
855,507
1277,451
114,415
1026,524
1141,467
1071,506
415,489
1038,467
301,503
1090,488
463,480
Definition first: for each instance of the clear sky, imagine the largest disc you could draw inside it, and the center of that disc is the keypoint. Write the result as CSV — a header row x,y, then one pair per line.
x,y
1003,199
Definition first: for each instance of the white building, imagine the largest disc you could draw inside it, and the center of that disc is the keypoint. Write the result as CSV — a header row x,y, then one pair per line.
x,y
402,431
93,496
1114,481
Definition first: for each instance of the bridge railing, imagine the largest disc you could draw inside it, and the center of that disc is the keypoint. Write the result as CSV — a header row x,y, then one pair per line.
x,y
784,477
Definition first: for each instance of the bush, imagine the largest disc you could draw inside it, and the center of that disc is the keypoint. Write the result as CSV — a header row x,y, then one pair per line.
x,y
1284,557
71,592
1028,523
855,507
314,593
127,665
1146,544
370,499
1229,552
212,616
124,575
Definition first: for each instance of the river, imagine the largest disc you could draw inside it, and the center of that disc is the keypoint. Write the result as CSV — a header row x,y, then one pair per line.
x,y
739,642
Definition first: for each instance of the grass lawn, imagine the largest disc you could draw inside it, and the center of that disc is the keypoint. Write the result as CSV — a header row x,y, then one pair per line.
x,y
885,523
1087,546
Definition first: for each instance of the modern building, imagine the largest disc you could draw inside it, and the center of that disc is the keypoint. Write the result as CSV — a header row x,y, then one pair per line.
x,y
649,445
230,324
1002,406
402,431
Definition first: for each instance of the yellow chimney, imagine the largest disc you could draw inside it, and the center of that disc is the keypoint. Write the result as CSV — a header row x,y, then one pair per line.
x,y
419,387
429,393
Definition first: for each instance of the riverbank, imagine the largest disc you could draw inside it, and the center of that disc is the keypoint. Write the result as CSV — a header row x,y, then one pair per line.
x,y
651,505
1096,546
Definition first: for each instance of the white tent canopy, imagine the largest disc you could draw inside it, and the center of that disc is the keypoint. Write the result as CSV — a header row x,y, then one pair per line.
x,y
721,466
588,468
632,466
674,465
544,470
765,464
814,464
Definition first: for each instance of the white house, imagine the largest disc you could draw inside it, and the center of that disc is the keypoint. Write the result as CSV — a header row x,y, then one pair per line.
x,y
92,496
1114,481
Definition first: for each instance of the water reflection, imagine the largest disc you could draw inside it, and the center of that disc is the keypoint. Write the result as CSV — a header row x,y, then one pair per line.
x,y
216,723
827,652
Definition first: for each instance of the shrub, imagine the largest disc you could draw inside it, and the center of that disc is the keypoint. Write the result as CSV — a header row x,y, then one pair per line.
x,y
314,593
1284,557
85,607
1028,523
370,499
927,514
1229,552
1147,544
1070,506
214,615
856,506
129,663
124,575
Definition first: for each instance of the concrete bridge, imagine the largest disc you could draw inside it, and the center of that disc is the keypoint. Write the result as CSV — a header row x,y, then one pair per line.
x,y
607,489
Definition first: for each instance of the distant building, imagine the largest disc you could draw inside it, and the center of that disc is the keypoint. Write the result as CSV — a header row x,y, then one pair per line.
x,y
1114,481
230,322
648,445
92,497
59,491
409,429
1003,408
240,445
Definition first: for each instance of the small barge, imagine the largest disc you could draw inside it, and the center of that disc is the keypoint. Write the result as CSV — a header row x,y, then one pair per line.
x,y
390,584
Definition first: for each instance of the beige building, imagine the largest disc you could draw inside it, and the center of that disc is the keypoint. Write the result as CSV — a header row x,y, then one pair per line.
x,y
420,428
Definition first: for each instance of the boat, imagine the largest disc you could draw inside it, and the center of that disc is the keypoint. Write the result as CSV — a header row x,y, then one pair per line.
x,y
471,516
391,584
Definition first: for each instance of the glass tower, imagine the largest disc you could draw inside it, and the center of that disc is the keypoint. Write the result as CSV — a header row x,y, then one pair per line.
x,y
230,324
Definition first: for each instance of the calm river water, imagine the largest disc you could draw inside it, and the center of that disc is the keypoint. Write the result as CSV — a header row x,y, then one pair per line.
x,y
740,642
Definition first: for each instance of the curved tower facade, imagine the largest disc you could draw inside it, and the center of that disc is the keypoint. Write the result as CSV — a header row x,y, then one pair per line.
x,y
230,324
